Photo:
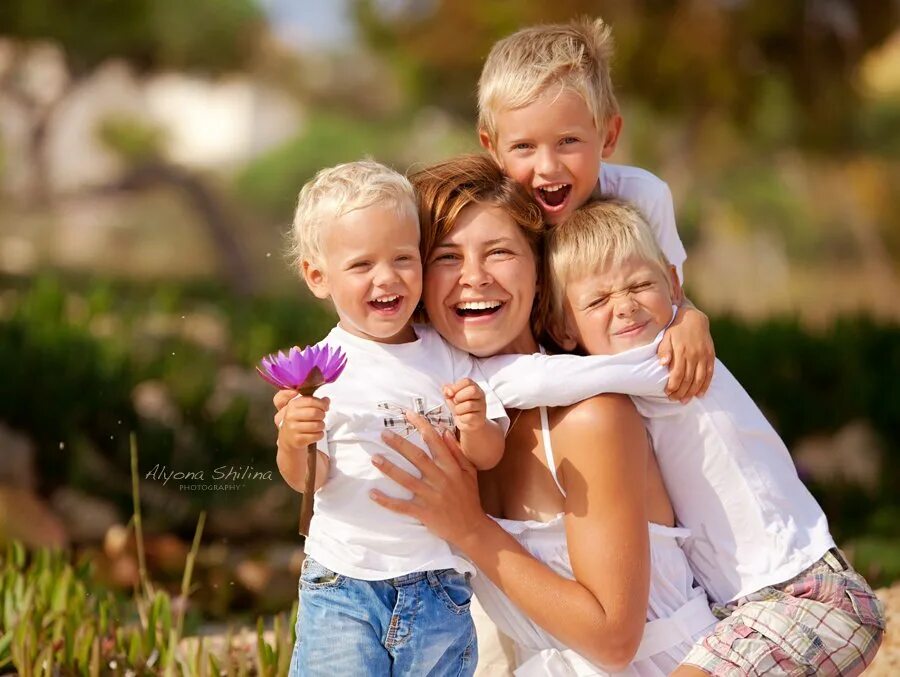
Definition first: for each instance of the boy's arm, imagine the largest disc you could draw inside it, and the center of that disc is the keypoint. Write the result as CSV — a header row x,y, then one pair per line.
x,y
687,348
484,447
482,440
300,422
528,381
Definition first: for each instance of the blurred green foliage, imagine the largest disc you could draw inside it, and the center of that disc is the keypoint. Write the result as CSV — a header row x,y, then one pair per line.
x,y
72,360
74,353
272,181
783,72
131,139
56,619
205,35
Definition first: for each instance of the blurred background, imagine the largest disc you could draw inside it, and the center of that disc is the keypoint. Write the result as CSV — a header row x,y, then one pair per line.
x,y
150,155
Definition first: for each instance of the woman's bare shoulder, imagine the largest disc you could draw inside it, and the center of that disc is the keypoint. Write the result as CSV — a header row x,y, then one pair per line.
x,y
606,422
594,414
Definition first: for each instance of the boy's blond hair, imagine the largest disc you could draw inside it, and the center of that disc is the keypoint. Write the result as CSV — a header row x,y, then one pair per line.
x,y
336,191
599,235
521,67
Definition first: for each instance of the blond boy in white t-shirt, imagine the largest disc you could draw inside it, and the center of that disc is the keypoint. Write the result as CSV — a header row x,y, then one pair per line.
x,y
379,594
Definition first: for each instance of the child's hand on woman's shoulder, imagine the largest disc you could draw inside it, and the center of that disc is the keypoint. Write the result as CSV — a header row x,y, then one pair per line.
x,y
687,348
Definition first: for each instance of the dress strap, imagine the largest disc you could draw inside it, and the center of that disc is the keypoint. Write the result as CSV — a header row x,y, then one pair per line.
x,y
548,448
545,438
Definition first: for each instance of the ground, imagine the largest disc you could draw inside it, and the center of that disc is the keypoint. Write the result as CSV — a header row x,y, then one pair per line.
x,y
887,663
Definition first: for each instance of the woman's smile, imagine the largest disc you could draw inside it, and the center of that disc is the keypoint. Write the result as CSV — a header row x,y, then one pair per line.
x,y
480,282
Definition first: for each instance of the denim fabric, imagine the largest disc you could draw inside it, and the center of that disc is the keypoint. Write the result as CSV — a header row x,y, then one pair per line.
x,y
418,624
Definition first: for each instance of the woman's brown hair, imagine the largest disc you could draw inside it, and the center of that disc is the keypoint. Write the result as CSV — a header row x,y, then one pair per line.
x,y
444,189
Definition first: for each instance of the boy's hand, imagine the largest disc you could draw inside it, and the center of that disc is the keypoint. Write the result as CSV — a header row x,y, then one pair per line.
x,y
282,397
300,420
467,402
687,348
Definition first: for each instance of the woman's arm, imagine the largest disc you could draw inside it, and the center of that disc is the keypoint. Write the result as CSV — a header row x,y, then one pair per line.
x,y
600,615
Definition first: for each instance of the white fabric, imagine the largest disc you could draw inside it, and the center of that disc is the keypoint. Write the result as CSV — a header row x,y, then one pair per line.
x,y
730,477
548,447
651,195
349,533
677,613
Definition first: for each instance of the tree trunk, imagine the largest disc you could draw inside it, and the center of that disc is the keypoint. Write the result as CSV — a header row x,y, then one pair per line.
x,y
220,226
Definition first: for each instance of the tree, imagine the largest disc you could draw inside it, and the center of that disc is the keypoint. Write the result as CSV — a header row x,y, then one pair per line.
x,y
207,36
686,57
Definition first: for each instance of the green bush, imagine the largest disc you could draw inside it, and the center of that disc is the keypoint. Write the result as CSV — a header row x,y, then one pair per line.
x,y
67,381
271,182
72,357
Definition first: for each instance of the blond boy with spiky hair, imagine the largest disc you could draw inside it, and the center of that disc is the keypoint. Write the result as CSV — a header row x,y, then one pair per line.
x,y
548,115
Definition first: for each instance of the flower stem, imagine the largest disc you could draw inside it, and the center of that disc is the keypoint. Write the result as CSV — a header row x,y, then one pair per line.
x,y
306,506
309,489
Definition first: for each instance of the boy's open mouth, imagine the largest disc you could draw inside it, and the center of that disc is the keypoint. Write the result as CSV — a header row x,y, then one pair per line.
x,y
477,308
554,195
386,303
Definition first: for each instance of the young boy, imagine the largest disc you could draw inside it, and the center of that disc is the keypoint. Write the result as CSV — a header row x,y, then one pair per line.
x,y
379,594
548,115
788,601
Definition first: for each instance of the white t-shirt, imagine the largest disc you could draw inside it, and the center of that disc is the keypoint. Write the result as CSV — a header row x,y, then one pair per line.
x,y
349,533
730,477
651,195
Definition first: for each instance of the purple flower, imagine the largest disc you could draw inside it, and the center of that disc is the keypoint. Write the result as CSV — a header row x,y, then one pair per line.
x,y
305,369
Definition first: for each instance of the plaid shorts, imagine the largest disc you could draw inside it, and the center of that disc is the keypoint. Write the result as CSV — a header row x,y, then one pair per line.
x,y
825,621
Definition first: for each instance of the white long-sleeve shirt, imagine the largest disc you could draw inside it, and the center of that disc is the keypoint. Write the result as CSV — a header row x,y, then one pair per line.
x,y
729,475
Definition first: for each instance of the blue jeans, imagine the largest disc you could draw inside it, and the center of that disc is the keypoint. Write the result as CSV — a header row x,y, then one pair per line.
x,y
416,625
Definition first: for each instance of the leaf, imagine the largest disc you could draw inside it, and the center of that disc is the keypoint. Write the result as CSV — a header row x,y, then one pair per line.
x,y
5,642
150,630
164,612
95,657
103,617
213,663
61,591
134,648
17,554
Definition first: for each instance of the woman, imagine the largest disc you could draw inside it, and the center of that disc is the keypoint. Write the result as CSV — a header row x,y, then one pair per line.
x,y
569,567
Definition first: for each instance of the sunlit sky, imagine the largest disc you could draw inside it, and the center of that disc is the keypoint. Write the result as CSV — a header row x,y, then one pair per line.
x,y
310,24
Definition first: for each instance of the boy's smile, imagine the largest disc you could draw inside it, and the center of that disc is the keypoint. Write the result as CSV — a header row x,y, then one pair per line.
x,y
618,307
553,148
372,271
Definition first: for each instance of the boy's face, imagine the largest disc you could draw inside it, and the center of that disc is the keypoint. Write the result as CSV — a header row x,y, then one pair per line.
x,y
617,308
553,148
372,271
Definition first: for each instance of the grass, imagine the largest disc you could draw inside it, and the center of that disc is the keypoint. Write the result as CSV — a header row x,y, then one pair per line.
x,y
54,620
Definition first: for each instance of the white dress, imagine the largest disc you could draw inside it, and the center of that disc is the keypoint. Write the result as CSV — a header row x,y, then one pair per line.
x,y
677,615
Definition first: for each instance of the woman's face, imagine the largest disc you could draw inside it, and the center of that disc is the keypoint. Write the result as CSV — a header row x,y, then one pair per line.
x,y
480,283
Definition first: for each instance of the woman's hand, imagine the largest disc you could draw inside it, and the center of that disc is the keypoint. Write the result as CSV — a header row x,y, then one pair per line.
x,y
445,498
